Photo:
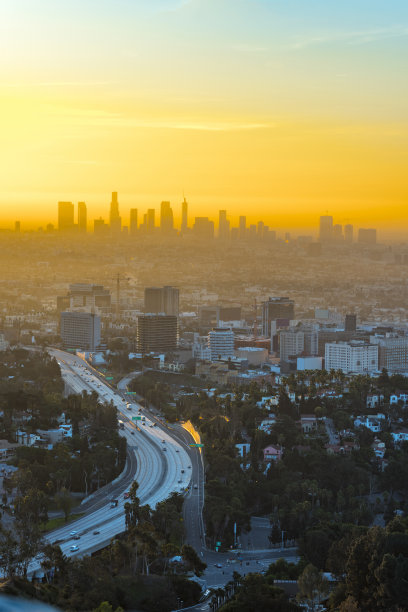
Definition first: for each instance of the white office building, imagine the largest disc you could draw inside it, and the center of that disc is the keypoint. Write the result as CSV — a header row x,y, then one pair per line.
x,y
351,358
221,343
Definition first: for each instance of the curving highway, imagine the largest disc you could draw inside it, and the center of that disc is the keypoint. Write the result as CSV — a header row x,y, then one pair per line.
x,y
156,460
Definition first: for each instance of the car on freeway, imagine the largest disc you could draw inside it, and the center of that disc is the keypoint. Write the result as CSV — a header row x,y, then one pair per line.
x,y
74,548
126,495
164,448
73,533
177,450
76,537
132,433
96,532
179,480
182,471
219,565
196,486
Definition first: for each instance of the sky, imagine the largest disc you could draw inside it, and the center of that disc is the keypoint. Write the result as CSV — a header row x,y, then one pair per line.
x,y
278,109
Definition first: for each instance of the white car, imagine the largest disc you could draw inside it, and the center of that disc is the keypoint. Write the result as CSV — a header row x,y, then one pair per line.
x,y
74,548
73,533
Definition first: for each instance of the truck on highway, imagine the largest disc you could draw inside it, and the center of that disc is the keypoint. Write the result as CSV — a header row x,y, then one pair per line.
x,y
121,424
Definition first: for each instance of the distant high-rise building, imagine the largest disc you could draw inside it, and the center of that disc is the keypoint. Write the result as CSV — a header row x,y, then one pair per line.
x,y
291,343
150,220
88,297
82,217
260,229
252,231
348,233
203,228
296,341
133,222
184,216
358,358
221,343
65,216
367,236
242,227
393,352
276,308
100,227
162,300
223,225
80,330
157,333
326,228
17,227
350,323
115,220
166,218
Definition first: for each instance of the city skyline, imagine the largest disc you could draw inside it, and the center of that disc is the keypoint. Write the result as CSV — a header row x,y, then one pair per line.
x,y
225,227
242,104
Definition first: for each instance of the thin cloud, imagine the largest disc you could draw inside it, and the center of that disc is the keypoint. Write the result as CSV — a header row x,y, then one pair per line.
x,y
102,118
56,84
358,37
182,125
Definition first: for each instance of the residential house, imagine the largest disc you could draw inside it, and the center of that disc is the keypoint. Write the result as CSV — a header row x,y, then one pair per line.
x,y
374,400
400,435
267,424
373,422
379,448
308,423
343,448
243,449
399,397
272,453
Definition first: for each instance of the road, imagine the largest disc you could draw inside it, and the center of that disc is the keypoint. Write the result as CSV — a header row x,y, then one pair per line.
x,y
160,464
252,560
159,472
194,499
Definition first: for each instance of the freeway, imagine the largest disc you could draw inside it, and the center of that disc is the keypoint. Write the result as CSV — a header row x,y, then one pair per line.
x,y
220,566
159,472
158,462
194,499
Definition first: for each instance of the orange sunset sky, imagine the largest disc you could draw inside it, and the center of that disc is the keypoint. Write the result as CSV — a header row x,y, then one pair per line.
x,y
277,109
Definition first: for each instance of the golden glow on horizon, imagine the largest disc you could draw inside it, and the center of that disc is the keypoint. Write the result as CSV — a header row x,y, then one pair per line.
x,y
280,133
